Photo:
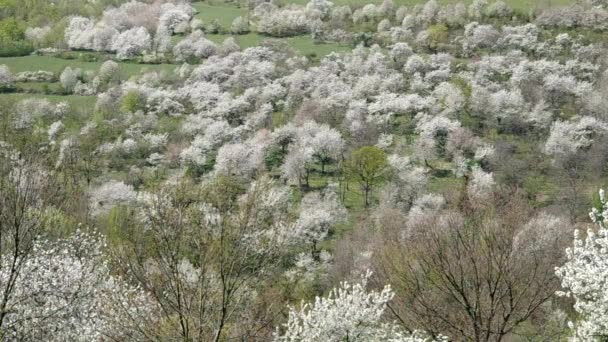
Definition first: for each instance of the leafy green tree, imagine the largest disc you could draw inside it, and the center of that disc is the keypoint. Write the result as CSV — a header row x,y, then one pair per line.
x,y
437,36
11,30
131,102
366,167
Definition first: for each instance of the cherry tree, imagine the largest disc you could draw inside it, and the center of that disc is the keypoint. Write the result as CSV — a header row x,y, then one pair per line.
x,y
400,52
524,37
229,45
6,78
102,36
474,278
584,277
110,194
55,289
77,33
37,34
450,99
429,12
69,78
298,164
162,40
367,13
195,45
311,142
132,42
324,7
318,213
239,25
29,110
243,159
327,145
64,291
434,135
569,137
349,313
480,186
174,19
407,180
479,36
109,72
477,8
283,22
499,9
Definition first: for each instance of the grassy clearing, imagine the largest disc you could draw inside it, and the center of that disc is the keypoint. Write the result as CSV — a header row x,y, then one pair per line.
x,y
303,44
56,65
39,87
84,104
224,14
307,46
244,40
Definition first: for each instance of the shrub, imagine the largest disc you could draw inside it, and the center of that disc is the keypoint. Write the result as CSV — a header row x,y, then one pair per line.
x,y
15,48
239,26
11,30
6,78
131,102
194,46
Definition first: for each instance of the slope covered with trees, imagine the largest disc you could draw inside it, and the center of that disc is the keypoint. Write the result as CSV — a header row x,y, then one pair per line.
x,y
320,171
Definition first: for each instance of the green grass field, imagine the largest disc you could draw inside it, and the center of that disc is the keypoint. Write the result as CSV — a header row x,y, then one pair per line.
x,y
224,14
82,104
56,65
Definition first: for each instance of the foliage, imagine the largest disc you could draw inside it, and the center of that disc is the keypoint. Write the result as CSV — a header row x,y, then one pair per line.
x,y
12,38
366,167
131,102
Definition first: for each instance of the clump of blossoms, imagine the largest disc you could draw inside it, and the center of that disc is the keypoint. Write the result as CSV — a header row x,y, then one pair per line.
x,y
584,277
348,313
63,291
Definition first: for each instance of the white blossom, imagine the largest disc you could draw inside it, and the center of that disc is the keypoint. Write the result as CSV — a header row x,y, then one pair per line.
x,y
584,277
568,137
481,184
195,45
318,213
110,194
6,78
69,78
65,291
132,42
349,312
239,25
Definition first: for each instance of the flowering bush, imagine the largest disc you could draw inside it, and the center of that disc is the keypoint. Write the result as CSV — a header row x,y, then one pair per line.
x,y
6,78
195,45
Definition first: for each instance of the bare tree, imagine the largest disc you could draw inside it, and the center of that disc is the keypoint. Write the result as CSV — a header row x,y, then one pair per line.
x,y
202,254
25,190
473,277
